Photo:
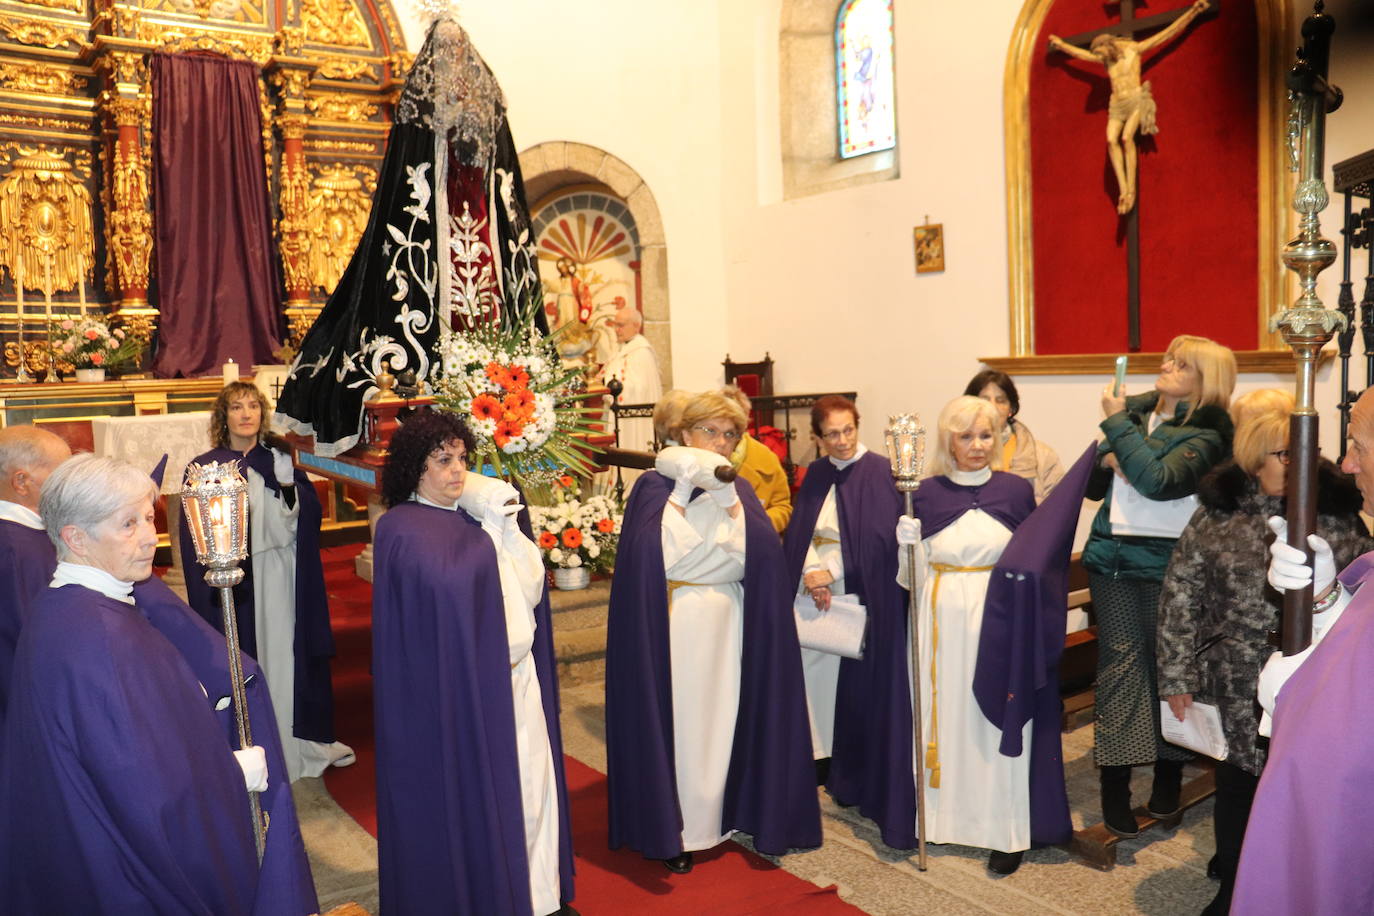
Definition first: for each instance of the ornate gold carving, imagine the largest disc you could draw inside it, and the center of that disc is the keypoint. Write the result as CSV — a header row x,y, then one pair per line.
x,y
137,322
401,62
43,78
292,126
340,198
238,46
131,237
299,321
343,146
290,40
334,22
336,106
291,83
346,68
126,111
126,20
69,6
65,124
35,356
295,218
45,212
123,67
43,32
220,9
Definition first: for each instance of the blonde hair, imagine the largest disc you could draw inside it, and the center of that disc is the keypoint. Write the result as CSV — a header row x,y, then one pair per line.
x,y
1261,401
961,415
1216,369
709,405
1260,434
668,414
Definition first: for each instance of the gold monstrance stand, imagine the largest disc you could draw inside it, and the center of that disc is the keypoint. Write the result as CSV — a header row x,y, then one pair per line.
x,y
906,452
215,500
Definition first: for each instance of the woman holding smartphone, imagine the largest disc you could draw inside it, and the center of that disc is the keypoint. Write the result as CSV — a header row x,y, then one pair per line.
x,y
1158,446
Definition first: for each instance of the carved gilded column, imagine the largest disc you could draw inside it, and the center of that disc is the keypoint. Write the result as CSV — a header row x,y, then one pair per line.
x,y
291,76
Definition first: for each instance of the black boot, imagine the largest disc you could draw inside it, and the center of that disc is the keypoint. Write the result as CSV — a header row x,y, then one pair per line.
x,y
1004,863
1116,801
1168,785
822,770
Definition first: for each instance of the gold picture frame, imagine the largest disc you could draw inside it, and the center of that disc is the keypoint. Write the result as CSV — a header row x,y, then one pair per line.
x,y
930,248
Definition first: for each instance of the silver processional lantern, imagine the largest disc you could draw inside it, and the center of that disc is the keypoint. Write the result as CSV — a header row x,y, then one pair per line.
x,y
215,500
905,439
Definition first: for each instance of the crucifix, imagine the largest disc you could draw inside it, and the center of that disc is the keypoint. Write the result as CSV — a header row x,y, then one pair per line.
x,y
1119,47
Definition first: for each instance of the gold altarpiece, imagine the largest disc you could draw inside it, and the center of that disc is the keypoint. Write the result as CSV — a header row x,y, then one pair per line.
x,y
76,141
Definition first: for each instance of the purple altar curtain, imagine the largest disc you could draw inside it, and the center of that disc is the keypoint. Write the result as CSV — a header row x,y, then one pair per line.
x,y
218,282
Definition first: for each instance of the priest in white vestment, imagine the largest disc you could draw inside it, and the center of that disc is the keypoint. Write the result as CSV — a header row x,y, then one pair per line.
x,y
636,367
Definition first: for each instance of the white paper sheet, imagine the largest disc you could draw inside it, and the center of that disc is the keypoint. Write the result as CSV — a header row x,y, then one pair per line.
x,y
1199,731
1138,516
839,631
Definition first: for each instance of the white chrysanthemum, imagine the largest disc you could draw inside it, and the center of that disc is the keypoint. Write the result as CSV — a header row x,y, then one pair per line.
x,y
574,561
594,550
555,555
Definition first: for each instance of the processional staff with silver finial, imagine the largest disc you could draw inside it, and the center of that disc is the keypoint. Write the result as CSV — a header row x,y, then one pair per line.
x,y
215,500
1307,326
905,438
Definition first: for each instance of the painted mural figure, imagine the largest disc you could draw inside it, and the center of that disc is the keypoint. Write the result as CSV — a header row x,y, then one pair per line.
x,y
1131,109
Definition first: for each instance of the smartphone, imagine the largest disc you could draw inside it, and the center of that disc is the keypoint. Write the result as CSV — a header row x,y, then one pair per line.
x,y
1119,388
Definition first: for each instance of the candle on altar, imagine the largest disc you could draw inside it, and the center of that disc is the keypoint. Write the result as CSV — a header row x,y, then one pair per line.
x,y
47,287
19,286
81,283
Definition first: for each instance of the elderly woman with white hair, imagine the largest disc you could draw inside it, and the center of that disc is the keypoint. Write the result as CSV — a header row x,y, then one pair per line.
x,y
118,790
965,515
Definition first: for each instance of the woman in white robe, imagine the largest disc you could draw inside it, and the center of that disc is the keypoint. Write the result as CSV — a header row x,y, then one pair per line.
x,y
974,795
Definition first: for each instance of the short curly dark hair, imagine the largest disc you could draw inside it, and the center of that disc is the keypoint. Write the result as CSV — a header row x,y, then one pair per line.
x,y
219,412
412,445
828,404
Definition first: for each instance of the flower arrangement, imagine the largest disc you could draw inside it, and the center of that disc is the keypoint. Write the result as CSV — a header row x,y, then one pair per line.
x,y
511,389
576,531
90,343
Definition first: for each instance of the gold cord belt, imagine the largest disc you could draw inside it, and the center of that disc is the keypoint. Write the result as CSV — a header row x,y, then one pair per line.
x,y
675,584
818,540
933,747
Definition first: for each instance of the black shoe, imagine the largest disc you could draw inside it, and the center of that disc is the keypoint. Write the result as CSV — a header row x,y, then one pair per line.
x,y
1004,863
1213,871
1168,786
1221,903
1117,815
565,910
679,864
822,770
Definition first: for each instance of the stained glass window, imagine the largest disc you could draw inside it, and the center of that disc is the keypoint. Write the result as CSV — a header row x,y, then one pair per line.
x,y
864,75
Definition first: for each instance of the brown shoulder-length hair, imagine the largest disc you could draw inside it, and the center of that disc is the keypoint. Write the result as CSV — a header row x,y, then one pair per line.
x,y
828,404
219,414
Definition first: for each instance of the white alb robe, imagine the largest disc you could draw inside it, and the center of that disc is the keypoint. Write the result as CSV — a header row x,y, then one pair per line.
x,y
272,536
703,559
984,797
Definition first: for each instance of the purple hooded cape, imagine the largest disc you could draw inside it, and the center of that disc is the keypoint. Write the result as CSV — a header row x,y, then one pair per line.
x,y
940,501
27,560
1017,675
871,762
117,791
314,644
450,819
770,789
1308,847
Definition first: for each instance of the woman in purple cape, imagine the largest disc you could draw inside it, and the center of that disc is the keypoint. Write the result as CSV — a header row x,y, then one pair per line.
x,y
472,806
281,607
965,515
118,792
706,727
840,542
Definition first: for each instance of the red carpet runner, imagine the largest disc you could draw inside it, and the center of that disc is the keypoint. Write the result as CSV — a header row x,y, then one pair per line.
x,y
727,881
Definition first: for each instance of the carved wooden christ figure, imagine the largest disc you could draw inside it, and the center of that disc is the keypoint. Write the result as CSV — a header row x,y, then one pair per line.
x,y
1131,109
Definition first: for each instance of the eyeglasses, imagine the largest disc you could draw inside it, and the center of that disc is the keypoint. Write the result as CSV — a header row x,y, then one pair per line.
x,y
835,435
1281,454
728,435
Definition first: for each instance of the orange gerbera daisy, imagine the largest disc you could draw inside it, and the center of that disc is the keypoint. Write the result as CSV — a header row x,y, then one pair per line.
x,y
572,538
605,525
548,539
486,407
507,430
494,371
566,480
519,378
520,399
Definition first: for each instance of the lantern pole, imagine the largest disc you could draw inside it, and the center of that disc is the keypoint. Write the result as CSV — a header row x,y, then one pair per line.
x,y
905,438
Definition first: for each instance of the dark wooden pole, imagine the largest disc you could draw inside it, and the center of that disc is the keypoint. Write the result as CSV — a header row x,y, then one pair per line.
x,y
1302,518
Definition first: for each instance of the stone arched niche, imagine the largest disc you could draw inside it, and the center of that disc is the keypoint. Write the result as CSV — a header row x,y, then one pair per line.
x,y
554,169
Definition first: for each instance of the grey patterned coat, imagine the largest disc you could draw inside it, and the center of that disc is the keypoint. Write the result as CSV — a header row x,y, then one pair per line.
x,y
1216,609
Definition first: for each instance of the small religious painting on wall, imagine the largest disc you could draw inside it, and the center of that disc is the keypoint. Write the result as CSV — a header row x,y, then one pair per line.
x,y
930,248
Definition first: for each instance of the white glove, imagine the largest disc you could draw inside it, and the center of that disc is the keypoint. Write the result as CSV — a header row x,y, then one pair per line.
x,y
1288,567
908,531
253,762
726,497
493,502
677,462
705,475
282,468
1275,674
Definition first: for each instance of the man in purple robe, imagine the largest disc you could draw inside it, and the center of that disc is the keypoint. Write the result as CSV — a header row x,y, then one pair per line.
x,y
27,456
770,789
1017,675
118,790
871,749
